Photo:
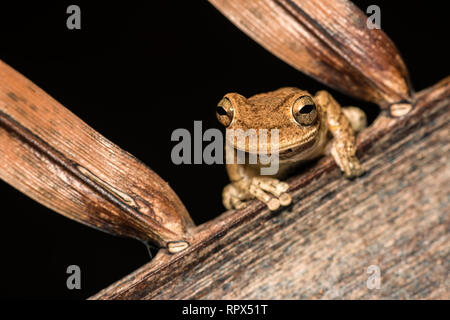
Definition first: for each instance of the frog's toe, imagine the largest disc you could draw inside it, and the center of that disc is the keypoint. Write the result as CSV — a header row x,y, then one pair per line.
x,y
233,197
258,192
353,170
271,191
280,187
273,204
285,199
354,167
236,203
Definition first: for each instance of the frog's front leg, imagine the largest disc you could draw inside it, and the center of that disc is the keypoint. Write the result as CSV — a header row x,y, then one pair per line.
x,y
343,148
245,186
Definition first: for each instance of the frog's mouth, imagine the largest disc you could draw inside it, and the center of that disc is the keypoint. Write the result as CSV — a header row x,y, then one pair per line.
x,y
288,153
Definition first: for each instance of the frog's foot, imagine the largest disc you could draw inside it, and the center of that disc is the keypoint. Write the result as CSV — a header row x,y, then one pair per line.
x,y
345,156
356,117
270,191
233,197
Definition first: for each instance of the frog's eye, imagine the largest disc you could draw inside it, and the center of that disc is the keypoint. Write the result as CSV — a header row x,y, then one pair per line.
x,y
304,111
225,112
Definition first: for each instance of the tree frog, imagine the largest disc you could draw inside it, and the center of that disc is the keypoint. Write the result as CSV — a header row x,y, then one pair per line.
x,y
308,127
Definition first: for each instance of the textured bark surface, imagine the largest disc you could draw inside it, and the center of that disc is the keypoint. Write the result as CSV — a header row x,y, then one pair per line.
x,y
328,40
56,159
395,217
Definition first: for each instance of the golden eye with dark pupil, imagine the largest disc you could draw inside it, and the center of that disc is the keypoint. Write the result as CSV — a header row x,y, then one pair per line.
x,y
225,112
307,109
304,111
221,111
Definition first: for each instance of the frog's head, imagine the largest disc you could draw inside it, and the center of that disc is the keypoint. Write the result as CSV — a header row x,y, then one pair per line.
x,y
293,112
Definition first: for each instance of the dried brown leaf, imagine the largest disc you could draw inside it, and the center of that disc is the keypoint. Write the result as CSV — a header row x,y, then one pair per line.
x,y
56,159
328,40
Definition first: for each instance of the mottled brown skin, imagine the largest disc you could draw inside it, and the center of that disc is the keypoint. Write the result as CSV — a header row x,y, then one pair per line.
x,y
309,126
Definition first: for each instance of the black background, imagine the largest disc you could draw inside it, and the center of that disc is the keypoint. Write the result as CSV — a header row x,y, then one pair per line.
x,y
135,72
